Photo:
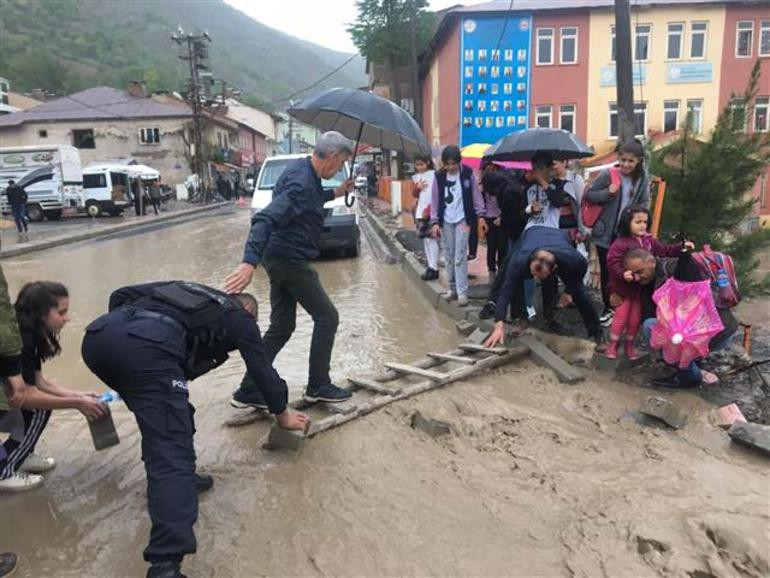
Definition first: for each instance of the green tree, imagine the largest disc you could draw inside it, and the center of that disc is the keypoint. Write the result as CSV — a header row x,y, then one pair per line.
x,y
708,185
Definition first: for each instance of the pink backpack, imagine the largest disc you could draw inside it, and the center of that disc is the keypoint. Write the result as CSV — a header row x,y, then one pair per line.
x,y
721,271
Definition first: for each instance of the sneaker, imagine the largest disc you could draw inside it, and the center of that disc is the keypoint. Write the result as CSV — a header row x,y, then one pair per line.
x,y
8,562
531,312
203,483
429,275
20,482
462,300
488,311
606,317
37,464
165,569
674,382
244,399
329,393
450,295
630,350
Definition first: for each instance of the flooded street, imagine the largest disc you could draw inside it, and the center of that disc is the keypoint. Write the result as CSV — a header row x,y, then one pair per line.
x,y
537,478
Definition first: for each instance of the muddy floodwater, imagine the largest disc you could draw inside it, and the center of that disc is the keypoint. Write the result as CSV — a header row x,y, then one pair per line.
x,y
537,478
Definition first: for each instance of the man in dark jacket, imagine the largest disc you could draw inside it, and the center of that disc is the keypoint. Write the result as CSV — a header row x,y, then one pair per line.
x,y
542,252
17,199
284,237
155,338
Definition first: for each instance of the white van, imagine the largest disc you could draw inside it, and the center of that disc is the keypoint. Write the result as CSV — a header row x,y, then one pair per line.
x,y
50,174
340,230
106,189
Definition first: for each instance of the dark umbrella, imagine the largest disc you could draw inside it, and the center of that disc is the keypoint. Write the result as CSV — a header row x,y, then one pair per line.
x,y
521,146
365,117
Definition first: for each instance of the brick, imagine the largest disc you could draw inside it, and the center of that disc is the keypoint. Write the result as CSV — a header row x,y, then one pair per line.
x,y
280,438
753,435
465,327
662,409
727,415
433,427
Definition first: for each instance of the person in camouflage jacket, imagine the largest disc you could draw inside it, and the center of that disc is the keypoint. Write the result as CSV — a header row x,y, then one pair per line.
x,y
10,348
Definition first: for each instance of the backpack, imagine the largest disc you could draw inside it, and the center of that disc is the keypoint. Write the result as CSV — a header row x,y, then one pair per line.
x,y
590,212
721,272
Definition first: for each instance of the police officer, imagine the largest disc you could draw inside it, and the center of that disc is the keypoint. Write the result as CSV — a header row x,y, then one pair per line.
x,y
155,338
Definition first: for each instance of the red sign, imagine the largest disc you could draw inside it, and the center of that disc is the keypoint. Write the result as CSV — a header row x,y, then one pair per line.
x,y
245,157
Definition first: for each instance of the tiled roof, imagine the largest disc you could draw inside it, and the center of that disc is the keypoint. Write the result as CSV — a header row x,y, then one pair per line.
x,y
540,5
99,103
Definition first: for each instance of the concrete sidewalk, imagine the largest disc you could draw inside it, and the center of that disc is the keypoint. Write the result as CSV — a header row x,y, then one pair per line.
x,y
47,234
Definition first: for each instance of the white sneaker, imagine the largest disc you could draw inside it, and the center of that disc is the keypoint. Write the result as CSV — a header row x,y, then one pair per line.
x,y
37,464
462,300
531,312
450,295
20,482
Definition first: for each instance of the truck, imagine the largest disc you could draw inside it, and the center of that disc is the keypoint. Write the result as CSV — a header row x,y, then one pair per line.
x,y
51,175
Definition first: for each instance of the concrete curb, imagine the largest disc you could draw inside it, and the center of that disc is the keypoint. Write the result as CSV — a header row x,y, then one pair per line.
x,y
172,218
431,290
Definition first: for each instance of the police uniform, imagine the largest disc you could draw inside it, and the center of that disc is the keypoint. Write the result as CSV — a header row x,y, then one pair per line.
x,y
155,338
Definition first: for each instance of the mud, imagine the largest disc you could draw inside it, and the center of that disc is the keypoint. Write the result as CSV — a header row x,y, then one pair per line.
x,y
535,478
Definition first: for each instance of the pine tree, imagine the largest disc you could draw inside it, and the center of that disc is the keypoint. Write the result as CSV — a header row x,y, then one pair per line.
x,y
708,185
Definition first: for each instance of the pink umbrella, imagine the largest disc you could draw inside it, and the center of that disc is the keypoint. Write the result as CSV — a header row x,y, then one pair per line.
x,y
687,320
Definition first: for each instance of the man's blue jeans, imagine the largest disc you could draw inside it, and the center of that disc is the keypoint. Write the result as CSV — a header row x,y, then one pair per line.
x,y
20,217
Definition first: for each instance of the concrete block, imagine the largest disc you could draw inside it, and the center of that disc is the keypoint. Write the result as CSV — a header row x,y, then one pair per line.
x,y
727,415
540,353
280,438
662,409
433,427
478,336
465,327
753,435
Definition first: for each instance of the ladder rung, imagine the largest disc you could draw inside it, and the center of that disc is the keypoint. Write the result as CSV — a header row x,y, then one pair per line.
x,y
403,368
455,358
374,386
482,349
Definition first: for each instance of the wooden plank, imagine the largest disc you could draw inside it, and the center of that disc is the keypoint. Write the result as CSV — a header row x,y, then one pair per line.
x,y
454,358
410,369
374,386
417,388
564,371
481,349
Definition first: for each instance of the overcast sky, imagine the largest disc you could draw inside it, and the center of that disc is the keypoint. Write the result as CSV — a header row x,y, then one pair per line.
x,y
321,22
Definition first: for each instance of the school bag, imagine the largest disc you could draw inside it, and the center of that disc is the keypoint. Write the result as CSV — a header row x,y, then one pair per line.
x,y
721,271
590,212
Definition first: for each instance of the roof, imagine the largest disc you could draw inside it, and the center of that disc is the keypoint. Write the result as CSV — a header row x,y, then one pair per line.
x,y
539,5
255,119
99,103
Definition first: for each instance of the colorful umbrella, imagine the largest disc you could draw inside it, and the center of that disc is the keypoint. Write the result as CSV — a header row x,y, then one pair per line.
x,y
473,153
687,320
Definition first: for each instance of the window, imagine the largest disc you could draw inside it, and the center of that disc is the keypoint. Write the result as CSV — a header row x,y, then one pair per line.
x,y
543,116
744,38
94,181
738,114
39,179
613,44
83,138
695,115
642,42
698,39
761,107
149,136
670,115
569,45
545,45
567,117
674,45
42,133
640,120
764,38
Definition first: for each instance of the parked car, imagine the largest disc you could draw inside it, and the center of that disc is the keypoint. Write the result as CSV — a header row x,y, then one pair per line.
x,y
340,232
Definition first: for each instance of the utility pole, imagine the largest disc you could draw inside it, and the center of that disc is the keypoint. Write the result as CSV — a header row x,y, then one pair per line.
x,y
624,71
196,55
291,130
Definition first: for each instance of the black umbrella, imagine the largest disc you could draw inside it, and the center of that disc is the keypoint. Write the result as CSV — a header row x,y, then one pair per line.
x,y
521,146
365,117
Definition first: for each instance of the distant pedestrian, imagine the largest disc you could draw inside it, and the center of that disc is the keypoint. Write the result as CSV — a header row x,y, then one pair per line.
x,y
423,187
17,199
155,195
456,207
138,191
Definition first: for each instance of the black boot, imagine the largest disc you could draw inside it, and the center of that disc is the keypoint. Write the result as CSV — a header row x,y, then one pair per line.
x,y
165,569
429,275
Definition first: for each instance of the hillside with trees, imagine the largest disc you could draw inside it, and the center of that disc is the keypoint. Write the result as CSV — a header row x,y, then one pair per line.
x,y
68,45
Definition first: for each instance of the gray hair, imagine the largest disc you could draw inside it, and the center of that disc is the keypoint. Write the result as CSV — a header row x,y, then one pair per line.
x,y
332,142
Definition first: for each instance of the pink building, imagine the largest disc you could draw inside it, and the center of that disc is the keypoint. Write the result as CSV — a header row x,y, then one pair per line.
x,y
559,93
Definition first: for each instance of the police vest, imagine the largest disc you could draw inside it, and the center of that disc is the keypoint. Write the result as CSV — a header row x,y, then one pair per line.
x,y
198,308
